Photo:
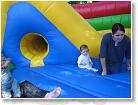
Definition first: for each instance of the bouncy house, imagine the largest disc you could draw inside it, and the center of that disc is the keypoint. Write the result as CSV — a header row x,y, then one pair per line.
x,y
43,40
102,15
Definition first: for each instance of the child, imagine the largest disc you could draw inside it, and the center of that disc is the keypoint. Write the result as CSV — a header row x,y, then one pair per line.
x,y
10,88
9,85
84,60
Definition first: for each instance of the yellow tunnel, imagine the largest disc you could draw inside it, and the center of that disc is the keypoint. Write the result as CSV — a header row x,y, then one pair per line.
x,y
34,47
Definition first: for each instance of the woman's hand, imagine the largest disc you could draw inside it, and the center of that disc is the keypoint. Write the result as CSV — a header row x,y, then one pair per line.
x,y
128,67
128,64
104,72
103,63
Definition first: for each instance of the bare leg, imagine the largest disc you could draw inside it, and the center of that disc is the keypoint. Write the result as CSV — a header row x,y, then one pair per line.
x,y
94,70
16,89
55,93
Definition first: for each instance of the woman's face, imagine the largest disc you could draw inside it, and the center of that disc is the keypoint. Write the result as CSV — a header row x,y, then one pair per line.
x,y
118,36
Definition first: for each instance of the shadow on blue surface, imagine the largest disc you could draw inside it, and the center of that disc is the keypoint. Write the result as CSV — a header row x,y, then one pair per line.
x,y
76,82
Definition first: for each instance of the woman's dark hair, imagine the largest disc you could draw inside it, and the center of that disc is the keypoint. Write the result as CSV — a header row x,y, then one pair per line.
x,y
83,47
117,27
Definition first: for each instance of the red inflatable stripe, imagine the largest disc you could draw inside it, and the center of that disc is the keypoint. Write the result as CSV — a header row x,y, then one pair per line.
x,y
104,8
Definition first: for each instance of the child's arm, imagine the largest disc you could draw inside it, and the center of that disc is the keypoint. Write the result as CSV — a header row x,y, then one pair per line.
x,y
83,63
6,63
80,61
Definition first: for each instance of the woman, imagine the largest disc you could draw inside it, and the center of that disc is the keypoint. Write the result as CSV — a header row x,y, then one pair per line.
x,y
114,47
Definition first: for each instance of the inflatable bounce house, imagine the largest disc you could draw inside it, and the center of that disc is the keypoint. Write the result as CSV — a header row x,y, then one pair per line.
x,y
43,40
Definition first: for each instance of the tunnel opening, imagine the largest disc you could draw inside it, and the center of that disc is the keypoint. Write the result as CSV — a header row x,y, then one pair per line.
x,y
35,48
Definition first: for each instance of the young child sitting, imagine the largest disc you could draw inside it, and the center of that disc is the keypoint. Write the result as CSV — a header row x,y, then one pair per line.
x,y
84,60
9,85
11,89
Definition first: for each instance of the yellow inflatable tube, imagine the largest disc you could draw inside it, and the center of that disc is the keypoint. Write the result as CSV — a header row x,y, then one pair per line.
x,y
34,51
73,26
103,32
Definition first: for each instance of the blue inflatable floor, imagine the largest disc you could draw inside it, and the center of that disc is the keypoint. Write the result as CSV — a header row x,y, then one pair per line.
x,y
76,82
48,83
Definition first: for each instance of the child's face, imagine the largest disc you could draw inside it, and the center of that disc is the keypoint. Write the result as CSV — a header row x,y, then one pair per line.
x,y
84,51
3,62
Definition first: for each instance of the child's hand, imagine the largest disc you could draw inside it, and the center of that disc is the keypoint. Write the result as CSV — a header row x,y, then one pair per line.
x,y
83,63
5,64
91,63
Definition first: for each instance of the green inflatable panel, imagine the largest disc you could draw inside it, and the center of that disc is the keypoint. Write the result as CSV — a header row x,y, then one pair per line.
x,y
105,23
10,66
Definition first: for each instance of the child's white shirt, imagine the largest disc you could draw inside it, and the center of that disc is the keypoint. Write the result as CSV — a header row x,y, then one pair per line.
x,y
86,59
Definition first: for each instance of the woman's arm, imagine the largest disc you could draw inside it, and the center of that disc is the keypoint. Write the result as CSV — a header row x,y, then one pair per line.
x,y
128,55
103,53
128,64
103,63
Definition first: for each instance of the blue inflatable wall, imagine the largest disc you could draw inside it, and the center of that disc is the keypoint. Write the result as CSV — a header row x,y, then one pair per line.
x,y
23,18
